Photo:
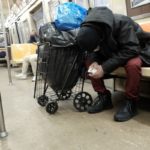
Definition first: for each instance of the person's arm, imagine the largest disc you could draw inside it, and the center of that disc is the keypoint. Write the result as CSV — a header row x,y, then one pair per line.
x,y
128,47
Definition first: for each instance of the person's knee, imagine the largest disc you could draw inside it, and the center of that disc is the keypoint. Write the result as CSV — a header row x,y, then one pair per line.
x,y
33,58
26,58
134,63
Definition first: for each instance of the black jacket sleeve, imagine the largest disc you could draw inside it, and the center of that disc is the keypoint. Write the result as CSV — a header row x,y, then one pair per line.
x,y
128,47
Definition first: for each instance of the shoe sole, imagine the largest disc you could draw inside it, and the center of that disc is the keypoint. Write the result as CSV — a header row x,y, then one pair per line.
x,y
94,112
123,120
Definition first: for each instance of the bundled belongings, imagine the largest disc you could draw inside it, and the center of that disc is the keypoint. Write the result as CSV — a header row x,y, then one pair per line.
x,y
69,16
58,69
63,56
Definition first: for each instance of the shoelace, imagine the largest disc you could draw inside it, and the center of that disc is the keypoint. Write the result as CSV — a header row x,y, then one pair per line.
x,y
99,100
128,105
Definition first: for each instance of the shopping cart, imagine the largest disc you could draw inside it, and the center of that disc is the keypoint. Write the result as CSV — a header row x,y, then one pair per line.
x,y
60,75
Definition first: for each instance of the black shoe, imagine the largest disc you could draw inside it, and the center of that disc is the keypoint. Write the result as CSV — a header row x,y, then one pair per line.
x,y
102,102
127,111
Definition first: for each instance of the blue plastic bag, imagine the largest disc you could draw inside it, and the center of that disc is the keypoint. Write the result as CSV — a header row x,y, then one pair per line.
x,y
69,16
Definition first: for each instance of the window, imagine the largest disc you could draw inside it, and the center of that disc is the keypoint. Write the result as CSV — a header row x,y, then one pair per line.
x,y
137,3
52,6
2,41
83,3
101,3
138,8
37,17
26,31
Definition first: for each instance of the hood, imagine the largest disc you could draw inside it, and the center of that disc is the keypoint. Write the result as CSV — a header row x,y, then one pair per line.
x,y
101,15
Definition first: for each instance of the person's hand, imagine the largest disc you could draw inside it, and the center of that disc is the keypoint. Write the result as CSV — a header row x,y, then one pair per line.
x,y
93,65
96,70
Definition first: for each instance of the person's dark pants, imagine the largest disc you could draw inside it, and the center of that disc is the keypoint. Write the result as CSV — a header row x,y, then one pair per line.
x,y
133,74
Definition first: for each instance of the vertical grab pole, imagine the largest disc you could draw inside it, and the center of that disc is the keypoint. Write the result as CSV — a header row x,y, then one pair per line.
x,y
3,132
6,44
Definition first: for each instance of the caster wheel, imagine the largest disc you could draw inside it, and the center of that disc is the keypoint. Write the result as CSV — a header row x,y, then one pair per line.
x,y
52,107
42,100
64,95
82,100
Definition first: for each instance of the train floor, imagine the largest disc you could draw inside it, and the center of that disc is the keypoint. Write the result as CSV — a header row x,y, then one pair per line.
x,y
30,127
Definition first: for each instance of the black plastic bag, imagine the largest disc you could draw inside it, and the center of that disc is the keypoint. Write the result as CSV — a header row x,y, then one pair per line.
x,y
49,33
46,31
63,67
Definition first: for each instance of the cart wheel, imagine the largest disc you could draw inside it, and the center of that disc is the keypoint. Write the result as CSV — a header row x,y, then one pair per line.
x,y
52,107
82,100
42,100
64,95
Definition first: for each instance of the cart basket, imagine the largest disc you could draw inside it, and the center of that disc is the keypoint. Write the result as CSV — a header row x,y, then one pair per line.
x,y
63,67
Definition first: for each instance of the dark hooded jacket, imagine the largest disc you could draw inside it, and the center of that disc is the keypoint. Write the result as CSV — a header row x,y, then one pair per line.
x,y
123,38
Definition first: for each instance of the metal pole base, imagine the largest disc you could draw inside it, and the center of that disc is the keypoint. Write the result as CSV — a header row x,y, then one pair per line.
x,y
3,134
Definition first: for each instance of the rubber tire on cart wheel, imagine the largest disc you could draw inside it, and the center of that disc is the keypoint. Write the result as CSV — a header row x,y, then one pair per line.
x,y
82,100
52,107
42,100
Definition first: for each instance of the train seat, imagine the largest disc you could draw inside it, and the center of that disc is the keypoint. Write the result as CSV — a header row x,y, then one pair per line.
x,y
19,51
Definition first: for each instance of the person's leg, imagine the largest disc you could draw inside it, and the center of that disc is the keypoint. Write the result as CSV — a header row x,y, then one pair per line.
x,y
33,62
133,73
103,101
98,84
25,65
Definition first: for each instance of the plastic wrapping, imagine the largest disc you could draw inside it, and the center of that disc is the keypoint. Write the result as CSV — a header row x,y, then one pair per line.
x,y
69,16
63,67
49,33
46,32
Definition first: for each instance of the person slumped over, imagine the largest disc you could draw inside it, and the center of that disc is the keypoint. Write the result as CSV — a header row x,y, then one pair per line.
x,y
114,40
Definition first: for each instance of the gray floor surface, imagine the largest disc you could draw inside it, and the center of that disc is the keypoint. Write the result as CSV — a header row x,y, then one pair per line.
x,y
30,127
